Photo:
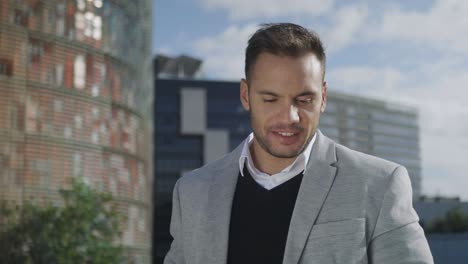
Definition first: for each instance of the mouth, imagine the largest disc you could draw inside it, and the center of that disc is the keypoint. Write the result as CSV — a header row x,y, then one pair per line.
x,y
286,134
287,137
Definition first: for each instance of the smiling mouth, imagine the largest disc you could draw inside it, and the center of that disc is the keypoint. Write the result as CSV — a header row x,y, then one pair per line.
x,y
286,134
286,138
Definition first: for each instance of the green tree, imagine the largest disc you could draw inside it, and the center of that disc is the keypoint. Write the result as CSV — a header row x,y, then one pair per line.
x,y
455,221
83,230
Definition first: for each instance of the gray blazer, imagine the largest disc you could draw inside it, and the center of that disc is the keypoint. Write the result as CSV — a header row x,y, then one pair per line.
x,y
351,208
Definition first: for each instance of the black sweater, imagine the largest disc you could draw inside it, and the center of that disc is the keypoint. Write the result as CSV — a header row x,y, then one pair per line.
x,y
260,220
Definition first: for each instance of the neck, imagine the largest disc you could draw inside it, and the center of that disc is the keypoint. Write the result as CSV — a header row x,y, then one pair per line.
x,y
267,163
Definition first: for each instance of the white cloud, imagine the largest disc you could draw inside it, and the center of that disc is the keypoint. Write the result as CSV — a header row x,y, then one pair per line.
x,y
444,26
346,23
247,9
164,50
224,53
365,80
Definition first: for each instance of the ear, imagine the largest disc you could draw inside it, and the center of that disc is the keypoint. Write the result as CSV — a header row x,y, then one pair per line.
x,y
324,97
244,94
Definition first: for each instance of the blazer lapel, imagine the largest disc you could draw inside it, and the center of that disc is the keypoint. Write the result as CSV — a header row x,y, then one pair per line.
x,y
220,197
314,189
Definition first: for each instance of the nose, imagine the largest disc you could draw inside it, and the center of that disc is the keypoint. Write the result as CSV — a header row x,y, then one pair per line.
x,y
290,114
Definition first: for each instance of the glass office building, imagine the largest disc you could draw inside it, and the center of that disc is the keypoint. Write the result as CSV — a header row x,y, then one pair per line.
x,y
379,128
198,121
75,102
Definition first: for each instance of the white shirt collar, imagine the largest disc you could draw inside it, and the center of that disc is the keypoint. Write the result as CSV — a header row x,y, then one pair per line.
x,y
271,181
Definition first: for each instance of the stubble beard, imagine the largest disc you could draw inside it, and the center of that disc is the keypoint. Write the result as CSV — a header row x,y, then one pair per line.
x,y
265,146
262,142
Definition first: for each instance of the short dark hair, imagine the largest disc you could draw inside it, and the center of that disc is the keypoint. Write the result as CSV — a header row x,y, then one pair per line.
x,y
285,39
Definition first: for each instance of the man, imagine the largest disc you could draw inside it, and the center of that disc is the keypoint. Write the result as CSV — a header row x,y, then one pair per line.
x,y
288,194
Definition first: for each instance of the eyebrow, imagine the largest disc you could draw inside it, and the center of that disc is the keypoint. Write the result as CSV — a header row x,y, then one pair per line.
x,y
268,93
305,93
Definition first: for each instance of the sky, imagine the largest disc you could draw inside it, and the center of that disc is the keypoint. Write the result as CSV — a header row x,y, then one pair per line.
x,y
408,52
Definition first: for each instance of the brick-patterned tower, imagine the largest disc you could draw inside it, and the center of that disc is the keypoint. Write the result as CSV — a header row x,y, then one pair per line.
x,y
75,100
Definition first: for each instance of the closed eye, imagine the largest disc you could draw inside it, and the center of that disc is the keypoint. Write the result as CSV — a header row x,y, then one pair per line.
x,y
305,100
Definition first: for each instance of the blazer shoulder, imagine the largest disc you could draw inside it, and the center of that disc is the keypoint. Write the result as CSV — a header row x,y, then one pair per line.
x,y
379,176
206,172
363,164
384,186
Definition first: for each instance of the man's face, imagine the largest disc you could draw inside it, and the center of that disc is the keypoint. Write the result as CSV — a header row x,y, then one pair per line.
x,y
285,99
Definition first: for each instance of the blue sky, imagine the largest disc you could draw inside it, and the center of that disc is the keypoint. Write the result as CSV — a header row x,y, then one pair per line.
x,y
412,52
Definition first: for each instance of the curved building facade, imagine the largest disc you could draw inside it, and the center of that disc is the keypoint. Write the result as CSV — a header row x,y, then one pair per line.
x,y
75,102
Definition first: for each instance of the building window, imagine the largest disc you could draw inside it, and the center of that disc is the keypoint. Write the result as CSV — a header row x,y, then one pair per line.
x,y
77,164
95,137
6,67
32,115
95,113
36,50
79,77
50,16
44,169
21,18
95,90
97,3
97,27
3,69
16,117
50,76
90,24
141,220
78,122
58,106
58,74
2,163
81,4
60,21
102,70
67,132
99,74
79,25
113,185
103,129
